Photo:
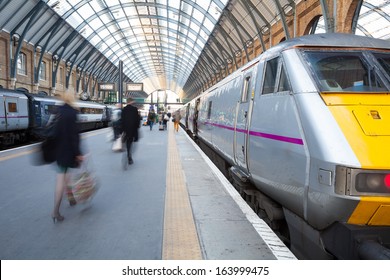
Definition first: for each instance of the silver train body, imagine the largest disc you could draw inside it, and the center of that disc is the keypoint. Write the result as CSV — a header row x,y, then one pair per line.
x,y
24,116
307,124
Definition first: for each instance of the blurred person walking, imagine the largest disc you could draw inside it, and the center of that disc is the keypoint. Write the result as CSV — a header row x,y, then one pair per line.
x,y
130,126
151,118
67,151
176,118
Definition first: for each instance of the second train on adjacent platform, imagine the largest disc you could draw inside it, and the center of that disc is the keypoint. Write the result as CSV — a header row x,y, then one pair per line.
x,y
304,129
23,116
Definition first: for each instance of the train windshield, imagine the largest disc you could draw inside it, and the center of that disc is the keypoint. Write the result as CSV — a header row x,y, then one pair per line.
x,y
384,61
336,71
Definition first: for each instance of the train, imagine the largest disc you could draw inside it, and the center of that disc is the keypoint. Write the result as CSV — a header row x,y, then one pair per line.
x,y
23,116
303,133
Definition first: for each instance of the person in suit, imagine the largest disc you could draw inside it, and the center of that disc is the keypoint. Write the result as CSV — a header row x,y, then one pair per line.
x,y
67,151
130,126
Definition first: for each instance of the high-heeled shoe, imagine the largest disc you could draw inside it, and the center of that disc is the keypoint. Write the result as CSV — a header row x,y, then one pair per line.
x,y
57,218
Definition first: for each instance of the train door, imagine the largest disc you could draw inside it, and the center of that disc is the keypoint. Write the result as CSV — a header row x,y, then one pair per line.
x,y
195,120
242,122
187,115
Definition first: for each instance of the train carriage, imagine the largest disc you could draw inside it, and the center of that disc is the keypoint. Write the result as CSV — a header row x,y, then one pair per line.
x,y
91,116
14,118
24,116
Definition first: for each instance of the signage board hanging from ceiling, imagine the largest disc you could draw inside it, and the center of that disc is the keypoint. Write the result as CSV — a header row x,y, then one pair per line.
x,y
106,86
134,87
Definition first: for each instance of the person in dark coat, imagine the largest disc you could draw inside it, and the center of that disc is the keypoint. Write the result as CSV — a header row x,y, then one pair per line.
x,y
130,126
67,152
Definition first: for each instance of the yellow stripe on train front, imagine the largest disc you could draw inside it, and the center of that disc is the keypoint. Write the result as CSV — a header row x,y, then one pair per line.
x,y
374,211
365,122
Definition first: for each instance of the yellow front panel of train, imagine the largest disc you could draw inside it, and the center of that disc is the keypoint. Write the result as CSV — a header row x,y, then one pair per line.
x,y
374,120
365,122
373,211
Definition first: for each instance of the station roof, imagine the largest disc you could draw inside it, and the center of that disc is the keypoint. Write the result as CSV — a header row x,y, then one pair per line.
x,y
166,44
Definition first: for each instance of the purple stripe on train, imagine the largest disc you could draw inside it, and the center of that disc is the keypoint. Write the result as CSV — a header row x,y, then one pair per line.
x,y
275,137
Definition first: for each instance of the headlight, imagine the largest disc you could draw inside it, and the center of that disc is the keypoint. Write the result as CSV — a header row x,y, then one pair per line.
x,y
351,181
372,182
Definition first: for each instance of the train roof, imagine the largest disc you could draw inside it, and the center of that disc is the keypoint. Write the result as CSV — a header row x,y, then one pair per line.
x,y
39,97
12,93
333,40
89,104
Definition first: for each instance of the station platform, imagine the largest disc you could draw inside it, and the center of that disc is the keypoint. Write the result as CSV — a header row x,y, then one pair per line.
x,y
171,204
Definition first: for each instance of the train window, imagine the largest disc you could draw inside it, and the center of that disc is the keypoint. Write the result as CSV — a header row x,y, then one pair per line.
x,y
12,107
343,71
284,84
271,70
384,61
245,90
50,109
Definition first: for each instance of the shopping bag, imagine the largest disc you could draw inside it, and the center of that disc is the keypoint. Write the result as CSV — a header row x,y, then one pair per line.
x,y
117,145
84,183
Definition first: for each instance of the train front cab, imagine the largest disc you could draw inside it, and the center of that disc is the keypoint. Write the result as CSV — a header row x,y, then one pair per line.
x,y
354,85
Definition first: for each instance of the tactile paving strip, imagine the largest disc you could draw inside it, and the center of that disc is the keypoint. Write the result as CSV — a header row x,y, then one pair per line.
x,y
180,239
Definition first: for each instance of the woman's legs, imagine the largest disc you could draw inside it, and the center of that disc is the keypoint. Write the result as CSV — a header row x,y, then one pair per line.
x,y
63,180
59,191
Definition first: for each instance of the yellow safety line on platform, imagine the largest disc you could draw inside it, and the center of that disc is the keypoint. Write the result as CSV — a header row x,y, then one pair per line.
x,y
180,240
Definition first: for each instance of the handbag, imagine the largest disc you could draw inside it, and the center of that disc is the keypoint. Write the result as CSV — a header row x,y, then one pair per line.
x,y
49,144
48,150
117,145
84,183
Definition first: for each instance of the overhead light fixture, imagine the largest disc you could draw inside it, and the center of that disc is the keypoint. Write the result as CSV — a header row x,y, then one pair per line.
x,y
15,37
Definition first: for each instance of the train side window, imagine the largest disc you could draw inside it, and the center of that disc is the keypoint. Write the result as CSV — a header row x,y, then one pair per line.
x,y
12,107
284,84
245,90
271,70
50,109
209,110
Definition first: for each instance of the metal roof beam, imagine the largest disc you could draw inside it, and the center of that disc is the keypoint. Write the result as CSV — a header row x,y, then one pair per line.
x,y
356,16
235,23
30,17
328,18
283,19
